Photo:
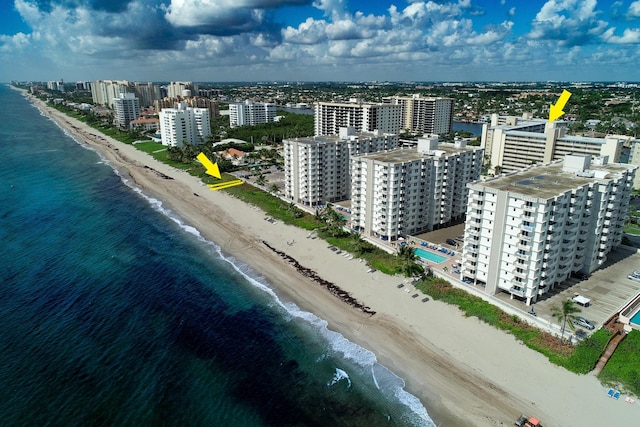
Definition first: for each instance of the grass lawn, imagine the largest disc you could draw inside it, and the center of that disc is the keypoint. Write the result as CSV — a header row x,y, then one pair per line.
x,y
632,229
624,366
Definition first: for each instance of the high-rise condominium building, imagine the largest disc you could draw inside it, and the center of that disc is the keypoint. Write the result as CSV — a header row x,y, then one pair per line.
x,y
634,159
184,125
412,190
427,115
181,89
126,109
317,168
329,117
250,113
527,231
103,92
518,143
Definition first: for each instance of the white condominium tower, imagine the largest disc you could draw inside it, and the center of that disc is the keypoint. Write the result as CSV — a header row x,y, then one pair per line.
x,y
103,92
181,89
512,143
126,109
410,191
250,113
317,168
634,159
527,231
184,125
426,115
329,117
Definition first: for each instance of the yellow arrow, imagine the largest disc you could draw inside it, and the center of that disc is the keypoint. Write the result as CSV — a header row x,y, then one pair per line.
x,y
211,168
223,185
555,111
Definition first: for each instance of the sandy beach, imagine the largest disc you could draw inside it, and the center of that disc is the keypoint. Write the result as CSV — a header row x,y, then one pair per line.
x,y
465,372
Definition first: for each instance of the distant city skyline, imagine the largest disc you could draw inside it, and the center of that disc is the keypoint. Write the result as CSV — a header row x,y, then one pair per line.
x,y
320,40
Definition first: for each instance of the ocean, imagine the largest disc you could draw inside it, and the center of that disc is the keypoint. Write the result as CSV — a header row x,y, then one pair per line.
x,y
115,312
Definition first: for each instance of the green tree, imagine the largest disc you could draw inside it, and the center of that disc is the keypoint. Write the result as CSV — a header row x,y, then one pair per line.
x,y
409,267
565,313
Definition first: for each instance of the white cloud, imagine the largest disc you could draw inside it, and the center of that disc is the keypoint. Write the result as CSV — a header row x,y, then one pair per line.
x,y
16,42
568,22
629,36
308,32
634,9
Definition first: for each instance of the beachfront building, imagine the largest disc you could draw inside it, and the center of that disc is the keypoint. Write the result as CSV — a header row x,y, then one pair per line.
x,y
527,231
251,113
317,168
426,115
329,117
184,125
513,143
634,159
145,124
126,108
412,190
196,102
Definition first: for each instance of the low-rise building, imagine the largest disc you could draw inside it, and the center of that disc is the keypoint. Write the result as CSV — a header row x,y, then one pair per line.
x,y
412,190
145,124
527,231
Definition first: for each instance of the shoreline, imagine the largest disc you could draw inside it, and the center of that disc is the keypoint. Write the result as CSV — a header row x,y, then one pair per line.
x,y
463,371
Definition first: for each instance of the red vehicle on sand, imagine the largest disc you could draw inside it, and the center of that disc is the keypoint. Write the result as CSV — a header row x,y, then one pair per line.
x,y
524,421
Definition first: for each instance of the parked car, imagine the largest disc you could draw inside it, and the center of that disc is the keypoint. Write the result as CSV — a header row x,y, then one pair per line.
x,y
635,275
581,321
452,242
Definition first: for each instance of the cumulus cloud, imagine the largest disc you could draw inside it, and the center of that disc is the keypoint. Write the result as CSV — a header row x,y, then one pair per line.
x,y
634,10
629,36
568,22
250,35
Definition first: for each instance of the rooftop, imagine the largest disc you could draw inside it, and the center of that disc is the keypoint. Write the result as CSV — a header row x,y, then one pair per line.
x,y
548,180
402,155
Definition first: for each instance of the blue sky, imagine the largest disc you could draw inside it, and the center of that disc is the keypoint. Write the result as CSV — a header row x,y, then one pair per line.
x,y
321,40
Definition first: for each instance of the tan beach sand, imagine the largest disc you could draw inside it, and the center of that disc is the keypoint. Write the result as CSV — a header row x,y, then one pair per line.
x,y
465,372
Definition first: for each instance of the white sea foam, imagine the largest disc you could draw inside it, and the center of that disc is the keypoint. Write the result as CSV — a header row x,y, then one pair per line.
x,y
339,376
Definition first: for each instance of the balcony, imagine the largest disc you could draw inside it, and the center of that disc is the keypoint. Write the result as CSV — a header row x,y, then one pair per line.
x,y
522,275
518,291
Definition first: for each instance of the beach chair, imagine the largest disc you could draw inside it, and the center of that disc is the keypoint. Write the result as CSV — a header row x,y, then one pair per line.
x,y
616,395
610,392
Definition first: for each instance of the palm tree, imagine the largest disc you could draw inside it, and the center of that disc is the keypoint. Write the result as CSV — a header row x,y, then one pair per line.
x,y
411,268
361,246
564,313
274,188
406,252
261,180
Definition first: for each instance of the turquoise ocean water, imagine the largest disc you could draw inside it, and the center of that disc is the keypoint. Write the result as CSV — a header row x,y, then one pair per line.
x,y
115,312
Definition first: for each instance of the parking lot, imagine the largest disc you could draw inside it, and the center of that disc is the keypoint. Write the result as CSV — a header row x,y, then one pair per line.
x,y
608,289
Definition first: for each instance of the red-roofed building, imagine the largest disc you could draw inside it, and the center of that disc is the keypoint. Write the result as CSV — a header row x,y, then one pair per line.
x,y
145,124
236,156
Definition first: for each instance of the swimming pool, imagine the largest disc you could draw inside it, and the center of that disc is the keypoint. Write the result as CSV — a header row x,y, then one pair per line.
x,y
636,318
430,256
